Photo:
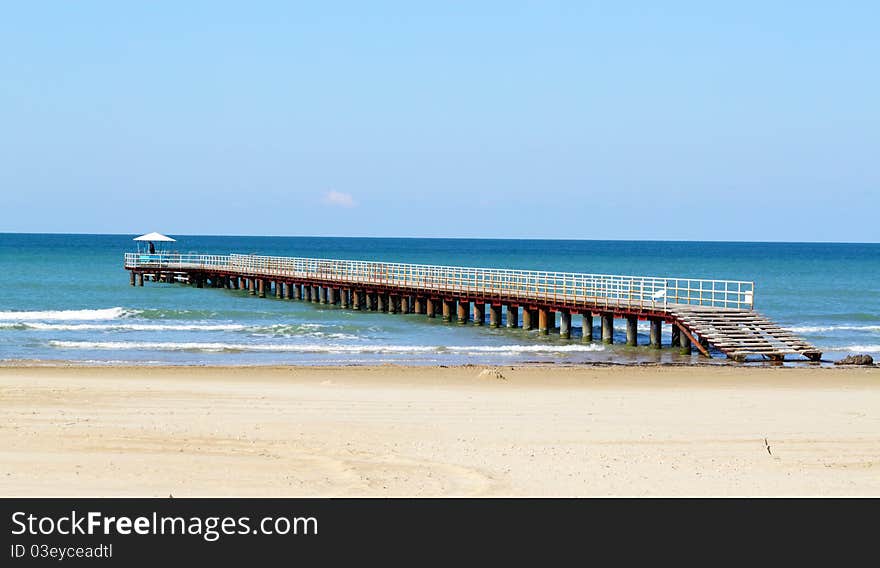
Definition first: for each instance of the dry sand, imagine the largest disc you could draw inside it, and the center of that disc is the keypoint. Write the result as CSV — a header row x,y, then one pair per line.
x,y
402,431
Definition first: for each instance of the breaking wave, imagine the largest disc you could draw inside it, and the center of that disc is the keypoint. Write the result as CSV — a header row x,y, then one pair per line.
x,y
320,348
68,315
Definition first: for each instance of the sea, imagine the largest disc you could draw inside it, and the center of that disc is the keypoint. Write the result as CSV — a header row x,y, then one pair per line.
x,y
67,298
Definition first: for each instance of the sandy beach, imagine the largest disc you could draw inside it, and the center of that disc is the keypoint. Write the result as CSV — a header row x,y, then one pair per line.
x,y
458,431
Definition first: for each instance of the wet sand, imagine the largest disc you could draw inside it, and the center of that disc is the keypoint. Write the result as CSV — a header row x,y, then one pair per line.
x,y
411,431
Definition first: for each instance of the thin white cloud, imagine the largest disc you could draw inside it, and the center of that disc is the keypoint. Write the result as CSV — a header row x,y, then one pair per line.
x,y
339,199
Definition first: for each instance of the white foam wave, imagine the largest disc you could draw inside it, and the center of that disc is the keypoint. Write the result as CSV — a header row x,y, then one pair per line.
x,y
320,348
857,348
825,328
128,327
67,315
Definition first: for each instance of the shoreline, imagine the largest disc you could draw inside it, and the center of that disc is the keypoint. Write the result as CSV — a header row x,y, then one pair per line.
x,y
440,431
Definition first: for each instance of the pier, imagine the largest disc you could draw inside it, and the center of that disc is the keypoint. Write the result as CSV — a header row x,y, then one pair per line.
x,y
702,314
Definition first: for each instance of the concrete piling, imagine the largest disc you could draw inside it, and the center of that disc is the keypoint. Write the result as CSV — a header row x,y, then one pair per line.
x,y
656,333
527,318
479,313
587,327
331,296
543,321
512,316
356,299
632,330
343,298
392,304
495,315
430,308
380,302
404,305
131,277
316,294
676,336
685,341
463,311
565,324
448,308
607,328
140,279
261,288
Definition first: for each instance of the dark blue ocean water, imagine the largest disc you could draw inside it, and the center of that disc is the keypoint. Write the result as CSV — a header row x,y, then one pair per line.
x,y
67,297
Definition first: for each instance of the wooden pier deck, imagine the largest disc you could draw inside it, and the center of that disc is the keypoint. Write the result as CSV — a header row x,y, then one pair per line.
x,y
703,314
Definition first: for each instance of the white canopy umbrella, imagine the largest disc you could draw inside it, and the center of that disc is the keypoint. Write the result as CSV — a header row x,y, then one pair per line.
x,y
155,237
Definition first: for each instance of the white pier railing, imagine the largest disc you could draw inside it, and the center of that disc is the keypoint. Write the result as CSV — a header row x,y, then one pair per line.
x,y
600,290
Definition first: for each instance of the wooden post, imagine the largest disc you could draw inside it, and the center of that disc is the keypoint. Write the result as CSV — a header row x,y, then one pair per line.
x,y
418,304
331,296
587,327
343,298
316,294
565,324
289,290
380,302
279,289
404,304
676,336
512,316
356,299
141,279
430,308
392,304
262,288
131,277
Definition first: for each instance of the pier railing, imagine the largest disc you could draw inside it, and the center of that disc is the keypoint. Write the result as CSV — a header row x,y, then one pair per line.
x,y
602,290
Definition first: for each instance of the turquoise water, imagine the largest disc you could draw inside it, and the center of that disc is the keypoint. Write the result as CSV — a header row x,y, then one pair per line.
x,y
67,297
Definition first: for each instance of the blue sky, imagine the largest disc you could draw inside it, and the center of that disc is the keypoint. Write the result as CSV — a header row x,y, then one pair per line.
x,y
618,120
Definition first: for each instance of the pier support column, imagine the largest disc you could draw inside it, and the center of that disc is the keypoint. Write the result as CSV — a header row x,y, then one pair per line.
x,y
279,289
685,342
316,294
676,336
527,319
297,291
463,312
331,296
404,305
512,316
565,324
392,304
252,287
607,328
418,304
380,302
289,291
587,327
543,321
244,283
343,298
479,313
140,279
356,299
430,308
322,294
494,316
131,277
656,333
448,308
261,288
632,330
307,293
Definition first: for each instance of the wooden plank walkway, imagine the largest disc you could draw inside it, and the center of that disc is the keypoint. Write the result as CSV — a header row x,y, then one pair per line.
x,y
740,333
702,312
